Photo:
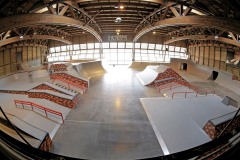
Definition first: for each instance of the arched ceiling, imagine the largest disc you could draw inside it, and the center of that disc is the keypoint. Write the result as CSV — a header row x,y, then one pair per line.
x,y
139,17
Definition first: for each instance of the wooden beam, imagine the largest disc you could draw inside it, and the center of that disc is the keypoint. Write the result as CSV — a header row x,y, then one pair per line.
x,y
43,19
175,12
204,21
93,17
144,18
28,37
165,13
203,37
233,37
72,12
63,10
6,35
51,9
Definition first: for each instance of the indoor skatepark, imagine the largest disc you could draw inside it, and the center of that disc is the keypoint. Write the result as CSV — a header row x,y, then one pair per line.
x,y
136,79
133,105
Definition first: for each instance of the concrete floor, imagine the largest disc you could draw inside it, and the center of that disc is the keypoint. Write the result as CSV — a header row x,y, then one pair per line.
x,y
110,122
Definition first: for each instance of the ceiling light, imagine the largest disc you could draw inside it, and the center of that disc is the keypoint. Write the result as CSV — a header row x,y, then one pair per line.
x,y
216,37
68,25
21,36
118,20
118,33
154,32
35,33
119,7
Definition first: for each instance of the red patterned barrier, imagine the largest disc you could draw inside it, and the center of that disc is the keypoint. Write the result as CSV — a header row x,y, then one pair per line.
x,y
41,95
214,130
14,92
74,80
46,143
58,66
168,73
59,100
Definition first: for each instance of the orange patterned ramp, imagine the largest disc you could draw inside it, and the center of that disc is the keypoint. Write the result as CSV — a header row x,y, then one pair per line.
x,y
158,75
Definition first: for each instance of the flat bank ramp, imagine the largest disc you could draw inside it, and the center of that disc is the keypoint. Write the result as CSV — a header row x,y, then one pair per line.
x,y
89,69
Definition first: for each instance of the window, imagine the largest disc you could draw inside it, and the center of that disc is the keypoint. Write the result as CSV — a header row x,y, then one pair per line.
x,y
90,45
113,45
137,45
57,49
121,45
83,46
52,49
63,48
129,45
144,45
105,45
76,46
117,52
151,46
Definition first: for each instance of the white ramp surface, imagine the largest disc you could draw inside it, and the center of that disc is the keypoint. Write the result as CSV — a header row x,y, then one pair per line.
x,y
148,75
175,129
89,69
225,79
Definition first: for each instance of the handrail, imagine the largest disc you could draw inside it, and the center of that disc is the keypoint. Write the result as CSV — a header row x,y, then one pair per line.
x,y
25,122
176,83
69,83
197,93
14,127
46,110
230,122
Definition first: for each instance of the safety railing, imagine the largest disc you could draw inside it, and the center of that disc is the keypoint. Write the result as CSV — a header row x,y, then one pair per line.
x,y
202,93
168,86
190,86
33,105
176,84
70,83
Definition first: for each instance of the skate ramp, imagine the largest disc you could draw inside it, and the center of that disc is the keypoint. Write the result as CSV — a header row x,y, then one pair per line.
x,y
141,65
32,65
197,70
225,80
89,69
158,75
213,76
148,75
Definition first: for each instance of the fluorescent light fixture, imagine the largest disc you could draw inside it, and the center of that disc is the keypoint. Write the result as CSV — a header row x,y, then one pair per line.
x,y
118,20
